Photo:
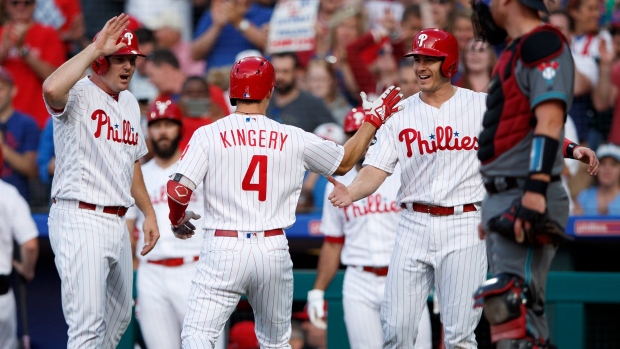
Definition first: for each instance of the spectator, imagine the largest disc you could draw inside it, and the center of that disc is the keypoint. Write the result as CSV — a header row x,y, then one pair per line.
x,y
66,17
140,86
229,27
407,79
19,139
442,13
324,20
378,10
17,225
242,336
167,28
321,81
604,197
463,31
46,158
479,59
289,104
197,106
30,51
410,25
146,11
163,70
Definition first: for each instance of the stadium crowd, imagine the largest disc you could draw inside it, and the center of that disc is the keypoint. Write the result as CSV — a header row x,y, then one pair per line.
x,y
190,46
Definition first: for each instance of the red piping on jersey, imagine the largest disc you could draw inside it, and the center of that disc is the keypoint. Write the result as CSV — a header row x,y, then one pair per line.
x,y
335,239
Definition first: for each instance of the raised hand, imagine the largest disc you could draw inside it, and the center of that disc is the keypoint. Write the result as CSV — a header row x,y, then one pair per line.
x,y
340,196
378,111
106,40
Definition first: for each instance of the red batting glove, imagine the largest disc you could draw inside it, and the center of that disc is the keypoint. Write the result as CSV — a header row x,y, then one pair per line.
x,y
382,108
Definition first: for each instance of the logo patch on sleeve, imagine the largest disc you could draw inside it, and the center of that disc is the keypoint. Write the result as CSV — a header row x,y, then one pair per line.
x,y
548,70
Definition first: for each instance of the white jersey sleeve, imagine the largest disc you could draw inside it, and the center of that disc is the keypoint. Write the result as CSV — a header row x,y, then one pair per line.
x,y
17,224
70,113
383,154
321,156
194,160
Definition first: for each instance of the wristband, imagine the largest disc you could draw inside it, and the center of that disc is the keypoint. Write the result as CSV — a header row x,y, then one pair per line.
x,y
569,147
543,153
536,186
373,120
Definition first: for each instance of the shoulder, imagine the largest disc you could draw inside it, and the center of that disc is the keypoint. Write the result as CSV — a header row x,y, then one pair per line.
x,y
544,43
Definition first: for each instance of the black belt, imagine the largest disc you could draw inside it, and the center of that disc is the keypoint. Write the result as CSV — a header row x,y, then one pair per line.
x,y
5,286
495,185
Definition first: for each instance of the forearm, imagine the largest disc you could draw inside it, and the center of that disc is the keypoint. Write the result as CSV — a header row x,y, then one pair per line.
x,y
57,86
355,147
329,262
29,253
25,164
202,46
549,123
256,36
139,193
367,181
40,67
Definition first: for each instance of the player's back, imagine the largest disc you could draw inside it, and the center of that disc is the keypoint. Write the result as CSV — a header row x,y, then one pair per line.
x,y
253,170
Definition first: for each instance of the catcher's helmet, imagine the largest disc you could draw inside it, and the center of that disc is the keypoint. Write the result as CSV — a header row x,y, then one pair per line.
x,y
437,43
251,78
164,109
100,65
353,120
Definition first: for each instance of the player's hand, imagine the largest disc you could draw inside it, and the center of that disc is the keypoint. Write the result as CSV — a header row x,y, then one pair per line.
x,y
108,36
382,108
588,157
185,229
340,196
26,273
316,308
151,234
532,201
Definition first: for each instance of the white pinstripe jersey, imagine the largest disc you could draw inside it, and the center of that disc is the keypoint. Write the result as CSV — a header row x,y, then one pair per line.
x,y
436,149
252,169
168,246
97,140
368,226
17,223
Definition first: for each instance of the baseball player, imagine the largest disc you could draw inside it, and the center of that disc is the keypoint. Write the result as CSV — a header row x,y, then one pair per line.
x,y
17,224
362,236
98,143
434,138
521,151
252,169
165,276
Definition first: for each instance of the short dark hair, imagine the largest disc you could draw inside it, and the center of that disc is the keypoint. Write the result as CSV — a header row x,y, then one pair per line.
x,y
411,11
290,54
163,56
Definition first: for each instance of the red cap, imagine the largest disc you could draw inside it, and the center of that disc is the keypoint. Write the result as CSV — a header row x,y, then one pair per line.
x,y
353,120
242,336
164,109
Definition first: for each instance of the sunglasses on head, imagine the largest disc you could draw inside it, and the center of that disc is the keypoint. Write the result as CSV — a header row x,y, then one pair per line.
x,y
25,3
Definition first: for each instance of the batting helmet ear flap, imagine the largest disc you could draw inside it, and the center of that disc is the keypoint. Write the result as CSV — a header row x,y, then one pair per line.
x,y
100,65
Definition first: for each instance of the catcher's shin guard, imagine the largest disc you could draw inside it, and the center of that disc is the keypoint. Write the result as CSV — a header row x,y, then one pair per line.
x,y
504,301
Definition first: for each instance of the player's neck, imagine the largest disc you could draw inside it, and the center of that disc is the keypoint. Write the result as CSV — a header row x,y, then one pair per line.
x,y
438,97
165,163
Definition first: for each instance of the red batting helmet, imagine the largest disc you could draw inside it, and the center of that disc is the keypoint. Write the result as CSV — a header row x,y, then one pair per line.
x,y
100,65
353,120
251,78
437,43
164,109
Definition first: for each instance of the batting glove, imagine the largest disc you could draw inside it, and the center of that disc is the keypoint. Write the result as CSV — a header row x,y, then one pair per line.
x,y
316,308
185,229
382,108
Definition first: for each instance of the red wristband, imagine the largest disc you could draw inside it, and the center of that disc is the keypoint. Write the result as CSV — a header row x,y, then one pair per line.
x,y
373,120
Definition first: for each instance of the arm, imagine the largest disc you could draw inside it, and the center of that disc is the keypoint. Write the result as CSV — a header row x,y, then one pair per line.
x,y
139,193
367,181
329,262
355,147
25,163
220,16
602,91
131,227
29,252
57,86
254,35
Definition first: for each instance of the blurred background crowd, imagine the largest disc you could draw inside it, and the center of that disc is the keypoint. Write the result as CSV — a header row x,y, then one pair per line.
x,y
359,46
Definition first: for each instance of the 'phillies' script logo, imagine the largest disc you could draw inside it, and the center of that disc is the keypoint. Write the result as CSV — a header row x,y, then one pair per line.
x,y
123,133
443,139
374,203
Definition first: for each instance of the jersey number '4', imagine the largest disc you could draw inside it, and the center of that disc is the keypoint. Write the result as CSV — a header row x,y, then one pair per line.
x,y
261,186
